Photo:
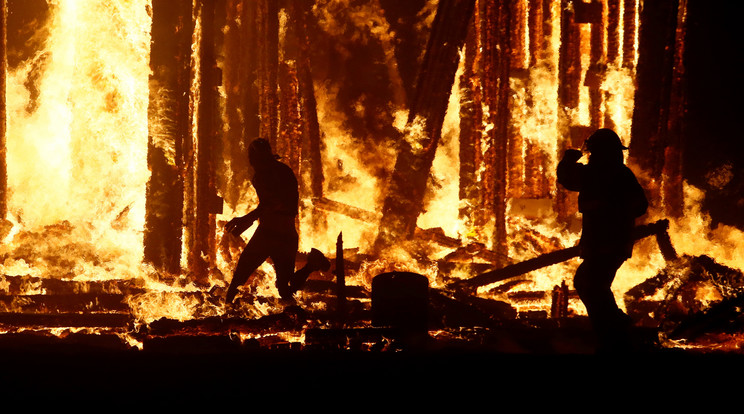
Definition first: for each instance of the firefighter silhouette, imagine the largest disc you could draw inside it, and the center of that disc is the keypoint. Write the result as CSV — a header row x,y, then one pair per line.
x,y
610,199
276,236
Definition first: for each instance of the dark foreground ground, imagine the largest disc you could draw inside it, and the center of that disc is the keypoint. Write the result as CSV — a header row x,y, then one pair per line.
x,y
350,381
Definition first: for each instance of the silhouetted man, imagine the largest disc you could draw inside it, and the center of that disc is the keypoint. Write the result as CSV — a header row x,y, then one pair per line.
x,y
276,235
610,199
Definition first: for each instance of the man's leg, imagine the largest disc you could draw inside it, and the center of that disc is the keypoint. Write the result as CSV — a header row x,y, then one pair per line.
x,y
284,255
254,254
593,282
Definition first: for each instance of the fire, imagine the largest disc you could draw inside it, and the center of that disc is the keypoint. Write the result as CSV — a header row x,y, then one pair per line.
x,y
78,131
77,152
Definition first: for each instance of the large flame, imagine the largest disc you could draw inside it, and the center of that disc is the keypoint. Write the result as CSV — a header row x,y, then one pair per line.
x,y
77,151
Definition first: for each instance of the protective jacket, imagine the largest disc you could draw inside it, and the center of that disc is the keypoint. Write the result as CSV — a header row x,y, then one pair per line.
x,y
610,199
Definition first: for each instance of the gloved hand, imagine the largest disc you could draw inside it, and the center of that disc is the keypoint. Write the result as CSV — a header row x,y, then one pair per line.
x,y
572,155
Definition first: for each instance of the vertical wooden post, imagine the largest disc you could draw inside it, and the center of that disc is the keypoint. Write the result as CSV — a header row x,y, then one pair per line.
x,y
537,183
672,185
241,95
515,142
471,115
202,200
654,79
312,165
267,20
569,83
3,114
630,29
340,280
597,63
169,128
614,51
496,71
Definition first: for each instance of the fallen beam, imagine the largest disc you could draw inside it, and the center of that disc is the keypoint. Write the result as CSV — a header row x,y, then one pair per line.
x,y
659,229
66,320
65,303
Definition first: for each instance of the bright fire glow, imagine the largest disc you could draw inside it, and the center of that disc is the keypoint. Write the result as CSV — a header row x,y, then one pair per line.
x,y
77,152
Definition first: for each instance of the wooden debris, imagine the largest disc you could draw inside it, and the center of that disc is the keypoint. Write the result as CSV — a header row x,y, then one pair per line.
x,y
556,257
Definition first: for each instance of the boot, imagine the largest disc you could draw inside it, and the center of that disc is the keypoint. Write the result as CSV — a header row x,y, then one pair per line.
x,y
315,261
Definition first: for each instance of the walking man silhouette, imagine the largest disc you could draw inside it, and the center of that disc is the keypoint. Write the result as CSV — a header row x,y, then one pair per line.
x,y
276,236
610,199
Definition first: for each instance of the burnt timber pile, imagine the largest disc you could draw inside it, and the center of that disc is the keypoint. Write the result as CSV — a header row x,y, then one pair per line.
x,y
273,95
449,318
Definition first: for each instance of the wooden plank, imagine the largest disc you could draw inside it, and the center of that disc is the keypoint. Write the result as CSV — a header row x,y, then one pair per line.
x,y
71,320
549,259
404,199
66,303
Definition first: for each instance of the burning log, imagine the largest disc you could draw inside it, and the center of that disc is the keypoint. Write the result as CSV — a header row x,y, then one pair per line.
x,y
407,186
347,210
659,229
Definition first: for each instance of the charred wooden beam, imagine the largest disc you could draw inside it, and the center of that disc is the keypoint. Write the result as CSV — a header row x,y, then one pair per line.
x,y
630,29
471,114
556,257
290,120
497,92
311,148
569,83
672,184
205,203
241,103
356,213
614,51
597,65
268,63
68,320
22,285
538,31
559,301
64,303
340,272
168,115
369,217
404,200
3,115
654,79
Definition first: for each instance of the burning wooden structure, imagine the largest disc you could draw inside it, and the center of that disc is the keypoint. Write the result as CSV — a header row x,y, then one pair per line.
x,y
426,131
